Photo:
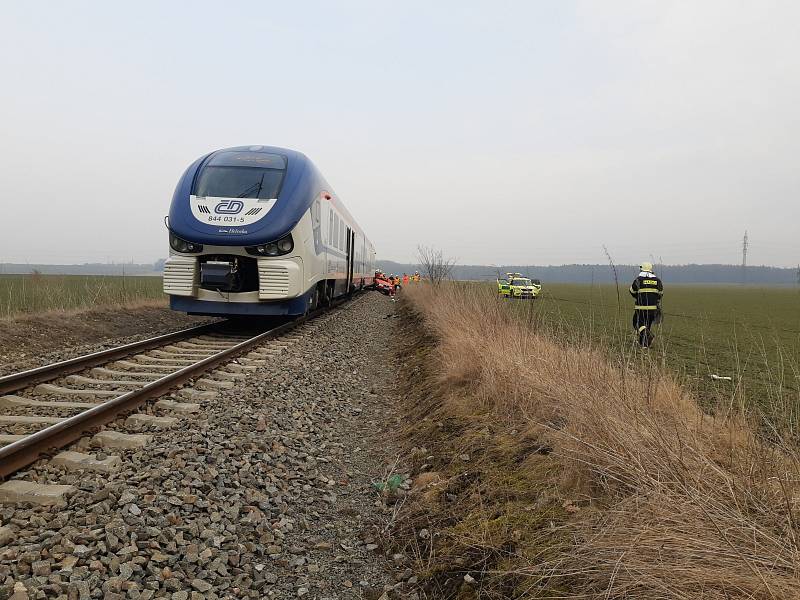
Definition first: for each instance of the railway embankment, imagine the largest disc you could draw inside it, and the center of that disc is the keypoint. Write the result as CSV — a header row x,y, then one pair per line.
x,y
266,488
545,469
35,339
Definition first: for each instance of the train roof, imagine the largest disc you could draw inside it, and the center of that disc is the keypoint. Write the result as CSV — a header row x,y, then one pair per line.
x,y
301,184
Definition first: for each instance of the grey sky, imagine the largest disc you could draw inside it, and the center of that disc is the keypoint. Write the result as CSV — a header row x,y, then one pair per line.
x,y
504,132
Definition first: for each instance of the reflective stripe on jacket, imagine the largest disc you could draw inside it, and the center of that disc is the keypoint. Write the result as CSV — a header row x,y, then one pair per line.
x,y
646,290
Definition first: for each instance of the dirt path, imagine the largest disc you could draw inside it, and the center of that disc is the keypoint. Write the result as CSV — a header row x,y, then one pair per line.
x,y
33,340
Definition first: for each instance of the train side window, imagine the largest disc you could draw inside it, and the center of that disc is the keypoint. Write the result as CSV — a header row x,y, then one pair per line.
x,y
336,231
316,224
330,228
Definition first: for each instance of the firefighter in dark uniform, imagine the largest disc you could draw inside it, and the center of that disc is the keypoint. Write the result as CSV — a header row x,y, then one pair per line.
x,y
646,290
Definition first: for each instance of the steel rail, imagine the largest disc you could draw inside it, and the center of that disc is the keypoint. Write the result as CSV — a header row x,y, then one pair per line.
x,y
23,379
21,453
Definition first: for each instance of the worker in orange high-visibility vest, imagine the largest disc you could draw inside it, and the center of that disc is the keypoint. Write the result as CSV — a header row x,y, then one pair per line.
x,y
405,279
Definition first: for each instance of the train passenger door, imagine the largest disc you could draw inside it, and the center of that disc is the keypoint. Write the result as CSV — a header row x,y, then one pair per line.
x,y
352,258
349,261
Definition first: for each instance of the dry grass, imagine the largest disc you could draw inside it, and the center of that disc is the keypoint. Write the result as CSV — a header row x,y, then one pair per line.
x,y
52,314
586,478
36,293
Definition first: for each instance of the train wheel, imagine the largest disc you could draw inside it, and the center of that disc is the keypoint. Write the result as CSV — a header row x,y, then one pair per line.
x,y
314,301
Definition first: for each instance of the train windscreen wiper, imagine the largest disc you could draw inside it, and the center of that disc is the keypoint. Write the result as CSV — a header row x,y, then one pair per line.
x,y
256,186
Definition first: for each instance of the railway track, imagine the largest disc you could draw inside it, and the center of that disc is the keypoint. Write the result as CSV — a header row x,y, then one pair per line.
x,y
45,409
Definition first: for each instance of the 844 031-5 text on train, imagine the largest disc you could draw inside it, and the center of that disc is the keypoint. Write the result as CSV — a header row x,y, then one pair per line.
x,y
256,230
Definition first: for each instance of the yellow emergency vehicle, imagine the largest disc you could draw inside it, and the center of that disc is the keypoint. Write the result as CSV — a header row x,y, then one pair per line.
x,y
517,286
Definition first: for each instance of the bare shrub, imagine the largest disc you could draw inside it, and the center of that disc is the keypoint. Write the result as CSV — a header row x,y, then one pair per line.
x,y
435,267
647,495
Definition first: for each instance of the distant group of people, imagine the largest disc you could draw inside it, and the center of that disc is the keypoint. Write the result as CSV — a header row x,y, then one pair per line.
x,y
392,283
404,280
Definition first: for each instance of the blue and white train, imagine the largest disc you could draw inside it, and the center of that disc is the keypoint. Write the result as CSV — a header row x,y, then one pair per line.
x,y
256,230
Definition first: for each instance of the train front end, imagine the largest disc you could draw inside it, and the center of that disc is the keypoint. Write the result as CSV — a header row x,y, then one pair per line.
x,y
239,226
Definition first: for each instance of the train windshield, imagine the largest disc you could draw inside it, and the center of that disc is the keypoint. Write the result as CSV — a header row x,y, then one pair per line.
x,y
242,175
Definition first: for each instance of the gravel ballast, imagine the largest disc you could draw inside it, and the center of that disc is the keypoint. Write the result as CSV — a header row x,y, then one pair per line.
x,y
267,491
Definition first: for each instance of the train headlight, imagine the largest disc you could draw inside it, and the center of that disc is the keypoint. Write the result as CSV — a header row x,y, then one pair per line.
x,y
181,245
285,245
282,246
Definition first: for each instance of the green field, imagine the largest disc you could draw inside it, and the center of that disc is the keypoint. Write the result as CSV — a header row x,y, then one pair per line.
x,y
37,293
751,334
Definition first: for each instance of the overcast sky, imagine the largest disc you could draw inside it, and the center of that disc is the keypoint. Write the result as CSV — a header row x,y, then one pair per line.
x,y
502,132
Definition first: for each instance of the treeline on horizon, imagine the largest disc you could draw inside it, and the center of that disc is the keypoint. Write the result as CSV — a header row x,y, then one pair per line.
x,y
133,269
596,273
603,273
